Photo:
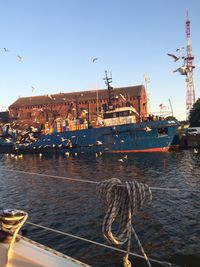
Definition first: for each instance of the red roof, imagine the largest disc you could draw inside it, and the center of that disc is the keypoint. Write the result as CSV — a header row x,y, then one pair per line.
x,y
131,91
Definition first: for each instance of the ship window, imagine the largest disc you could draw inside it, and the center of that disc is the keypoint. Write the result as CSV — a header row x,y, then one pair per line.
x,y
162,131
124,113
117,114
108,115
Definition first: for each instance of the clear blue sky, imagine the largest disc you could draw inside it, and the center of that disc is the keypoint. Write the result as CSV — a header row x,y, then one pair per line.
x,y
59,38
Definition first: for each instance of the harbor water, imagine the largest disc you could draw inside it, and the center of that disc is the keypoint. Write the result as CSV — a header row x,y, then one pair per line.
x,y
168,228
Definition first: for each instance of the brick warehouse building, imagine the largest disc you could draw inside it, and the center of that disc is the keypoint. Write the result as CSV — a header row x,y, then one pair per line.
x,y
37,110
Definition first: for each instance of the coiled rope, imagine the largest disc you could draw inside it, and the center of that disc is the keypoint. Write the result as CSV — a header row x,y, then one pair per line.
x,y
123,201
11,221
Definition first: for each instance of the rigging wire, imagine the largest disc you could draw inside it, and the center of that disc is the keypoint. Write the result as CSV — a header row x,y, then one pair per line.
x,y
164,263
94,182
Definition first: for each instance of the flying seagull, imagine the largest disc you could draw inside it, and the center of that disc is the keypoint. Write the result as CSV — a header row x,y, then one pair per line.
x,y
182,70
179,49
174,57
20,58
6,50
33,88
94,59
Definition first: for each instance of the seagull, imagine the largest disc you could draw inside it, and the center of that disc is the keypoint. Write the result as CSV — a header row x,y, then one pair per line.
x,y
125,157
33,88
20,58
179,49
174,57
6,50
120,160
147,129
50,96
122,97
183,70
94,59
99,142
195,151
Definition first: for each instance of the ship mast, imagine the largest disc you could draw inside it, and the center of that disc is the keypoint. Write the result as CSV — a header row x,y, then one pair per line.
x,y
108,81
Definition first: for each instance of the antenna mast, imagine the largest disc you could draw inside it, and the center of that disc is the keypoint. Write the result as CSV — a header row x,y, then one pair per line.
x,y
190,98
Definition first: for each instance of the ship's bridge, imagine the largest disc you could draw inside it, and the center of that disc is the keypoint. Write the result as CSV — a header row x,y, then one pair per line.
x,y
122,115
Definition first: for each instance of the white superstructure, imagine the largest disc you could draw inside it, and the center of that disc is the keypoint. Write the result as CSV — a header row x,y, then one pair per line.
x,y
118,116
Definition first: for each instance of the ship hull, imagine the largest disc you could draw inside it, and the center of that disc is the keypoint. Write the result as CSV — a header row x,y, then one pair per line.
x,y
155,136
6,147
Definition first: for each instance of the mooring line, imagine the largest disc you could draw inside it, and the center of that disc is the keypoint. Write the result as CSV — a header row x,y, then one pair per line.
x,y
94,182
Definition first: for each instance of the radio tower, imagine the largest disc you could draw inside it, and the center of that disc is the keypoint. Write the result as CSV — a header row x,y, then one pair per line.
x,y
190,98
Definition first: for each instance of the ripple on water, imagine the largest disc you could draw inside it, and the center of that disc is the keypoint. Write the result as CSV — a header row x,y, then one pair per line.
x,y
168,228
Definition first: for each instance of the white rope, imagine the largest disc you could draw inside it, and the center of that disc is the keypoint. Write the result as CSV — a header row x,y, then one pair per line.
x,y
123,203
50,176
164,263
141,247
93,182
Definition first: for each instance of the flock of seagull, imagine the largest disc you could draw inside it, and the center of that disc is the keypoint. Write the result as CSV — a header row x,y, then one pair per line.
x,y
20,58
67,154
27,138
183,69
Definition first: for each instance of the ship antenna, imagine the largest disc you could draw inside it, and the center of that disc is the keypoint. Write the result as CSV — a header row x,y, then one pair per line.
x,y
108,81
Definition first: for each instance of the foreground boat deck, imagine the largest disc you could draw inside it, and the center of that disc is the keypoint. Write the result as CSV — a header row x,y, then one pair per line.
x,y
28,253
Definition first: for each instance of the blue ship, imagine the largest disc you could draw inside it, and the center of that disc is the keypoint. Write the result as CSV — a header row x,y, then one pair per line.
x,y
6,144
118,130
119,133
